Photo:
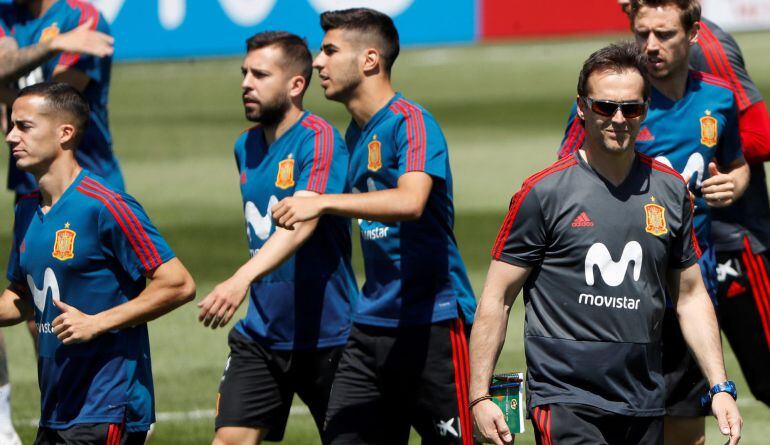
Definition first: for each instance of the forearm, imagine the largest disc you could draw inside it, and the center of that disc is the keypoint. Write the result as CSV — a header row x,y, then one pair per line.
x,y
281,245
390,205
700,330
487,339
16,62
162,295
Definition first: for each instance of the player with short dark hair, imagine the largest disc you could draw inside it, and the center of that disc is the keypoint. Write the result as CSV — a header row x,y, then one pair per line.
x,y
595,264
405,363
692,126
87,262
300,282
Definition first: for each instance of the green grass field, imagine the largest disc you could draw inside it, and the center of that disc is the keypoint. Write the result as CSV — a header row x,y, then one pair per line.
x,y
502,107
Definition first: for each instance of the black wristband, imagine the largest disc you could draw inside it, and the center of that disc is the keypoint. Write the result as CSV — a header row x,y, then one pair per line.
x,y
477,401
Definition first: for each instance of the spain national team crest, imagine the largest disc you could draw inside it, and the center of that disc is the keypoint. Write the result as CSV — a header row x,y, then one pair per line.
x,y
375,154
285,177
49,33
64,245
708,130
656,219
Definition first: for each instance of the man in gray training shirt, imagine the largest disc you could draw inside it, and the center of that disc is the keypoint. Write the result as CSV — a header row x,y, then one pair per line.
x,y
594,264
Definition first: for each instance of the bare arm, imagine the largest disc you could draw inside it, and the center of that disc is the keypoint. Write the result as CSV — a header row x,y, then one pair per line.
x,y
15,305
503,284
405,202
16,62
724,188
220,305
170,286
700,330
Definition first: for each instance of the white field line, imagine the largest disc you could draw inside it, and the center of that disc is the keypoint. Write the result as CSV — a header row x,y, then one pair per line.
x,y
182,416
200,414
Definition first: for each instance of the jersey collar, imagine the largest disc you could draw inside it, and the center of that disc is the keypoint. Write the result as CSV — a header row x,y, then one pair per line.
x,y
54,208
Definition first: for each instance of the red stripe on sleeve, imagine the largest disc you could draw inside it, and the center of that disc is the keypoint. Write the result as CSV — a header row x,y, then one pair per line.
x,y
104,200
518,198
416,137
575,132
719,52
87,11
133,221
316,152
322,166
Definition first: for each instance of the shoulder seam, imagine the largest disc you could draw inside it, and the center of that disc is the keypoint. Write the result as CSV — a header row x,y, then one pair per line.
x,y
712,79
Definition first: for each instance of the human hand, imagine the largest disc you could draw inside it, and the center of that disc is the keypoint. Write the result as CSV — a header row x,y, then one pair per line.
x,y
84,40
292,210
220,304
73,326
490,423
728,418
719,189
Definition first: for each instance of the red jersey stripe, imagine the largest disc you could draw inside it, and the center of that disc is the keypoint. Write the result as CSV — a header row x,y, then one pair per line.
x,y
327,144
530,182
759,288
719,53
415,134
712,80
87,11
104,200
30,195
134,223
575,134
316,151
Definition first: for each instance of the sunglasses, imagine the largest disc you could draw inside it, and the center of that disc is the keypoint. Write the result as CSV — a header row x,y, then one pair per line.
x,y
608,108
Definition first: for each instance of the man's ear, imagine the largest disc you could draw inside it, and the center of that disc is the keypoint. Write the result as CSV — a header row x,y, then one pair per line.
x,y
580,109
296,86
692,36
66,134
372,61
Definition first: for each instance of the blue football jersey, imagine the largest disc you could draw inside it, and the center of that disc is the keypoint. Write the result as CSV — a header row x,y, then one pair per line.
x,y
305,302
91,250
95,150
414,273
686,135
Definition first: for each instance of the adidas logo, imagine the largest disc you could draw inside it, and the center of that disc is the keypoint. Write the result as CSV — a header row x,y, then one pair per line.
x,y
645,135
582,220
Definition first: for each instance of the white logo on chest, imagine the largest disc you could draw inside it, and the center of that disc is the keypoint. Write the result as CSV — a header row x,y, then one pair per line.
x,y
613,272
695,166
260,224
39,295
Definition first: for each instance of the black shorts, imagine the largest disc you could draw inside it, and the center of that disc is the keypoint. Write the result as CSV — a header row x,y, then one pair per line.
x,y
258,385
567,424
744,313
685,383
392,378
90,434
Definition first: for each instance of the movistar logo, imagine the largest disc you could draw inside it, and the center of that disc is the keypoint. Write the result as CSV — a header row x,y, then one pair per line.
x,y
613,272
695,167
257,223
49,283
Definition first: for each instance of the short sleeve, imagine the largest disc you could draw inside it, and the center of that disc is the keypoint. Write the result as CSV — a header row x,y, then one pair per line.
x,y
323,158
93,67
420,143
685,250
573,134
730,146
130,238
522,237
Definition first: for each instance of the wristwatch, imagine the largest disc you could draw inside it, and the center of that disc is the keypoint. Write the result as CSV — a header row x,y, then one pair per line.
x,y
727,386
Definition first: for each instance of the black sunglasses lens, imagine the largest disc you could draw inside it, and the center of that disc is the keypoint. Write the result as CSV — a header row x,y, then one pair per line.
x,y
632,110
603,108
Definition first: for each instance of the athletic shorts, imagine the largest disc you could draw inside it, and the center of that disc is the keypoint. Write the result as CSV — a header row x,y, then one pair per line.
x,y
744,313
391,379
258,385
685,383
90,434
567,424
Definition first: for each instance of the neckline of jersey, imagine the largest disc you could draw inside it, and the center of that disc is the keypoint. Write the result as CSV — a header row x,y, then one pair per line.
x,y
54,208
380,114
296,124
659,100
632,173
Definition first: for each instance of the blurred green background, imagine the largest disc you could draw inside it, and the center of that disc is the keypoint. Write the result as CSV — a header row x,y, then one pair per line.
x,y
503,108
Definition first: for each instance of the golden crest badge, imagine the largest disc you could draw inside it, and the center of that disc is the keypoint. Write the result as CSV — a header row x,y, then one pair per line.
x,y
375,154
285,177
64,245
49,33
709,130
656,219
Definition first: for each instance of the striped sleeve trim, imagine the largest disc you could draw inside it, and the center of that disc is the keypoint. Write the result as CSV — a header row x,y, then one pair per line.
x,y
415,133
518,199
717,60
87,11
574,139
133,230
323,139
666,169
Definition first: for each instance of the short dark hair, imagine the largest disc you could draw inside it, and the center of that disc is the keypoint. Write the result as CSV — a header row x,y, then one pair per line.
x,y
616,57
689,15
294,48
62,98
369,23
